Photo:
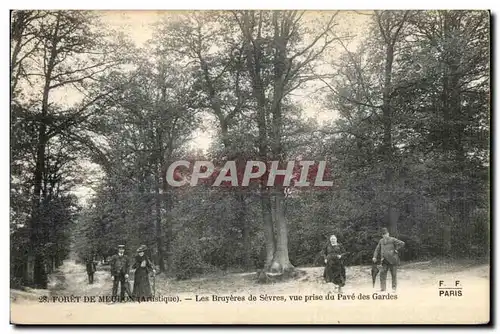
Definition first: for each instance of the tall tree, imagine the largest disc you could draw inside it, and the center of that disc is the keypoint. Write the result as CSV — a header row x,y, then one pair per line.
x,y
63,50
279,54
213,47
391,25
457,43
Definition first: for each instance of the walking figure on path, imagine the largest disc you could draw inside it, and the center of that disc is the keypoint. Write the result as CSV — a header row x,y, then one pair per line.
x,y
334,265
388,248
120,268
91,269
143,267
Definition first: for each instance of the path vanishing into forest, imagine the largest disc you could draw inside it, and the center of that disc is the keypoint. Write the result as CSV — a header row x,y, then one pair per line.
x,y
417,299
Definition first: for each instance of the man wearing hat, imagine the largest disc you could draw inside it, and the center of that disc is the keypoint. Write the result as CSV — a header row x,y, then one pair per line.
x,y
388,248
120,268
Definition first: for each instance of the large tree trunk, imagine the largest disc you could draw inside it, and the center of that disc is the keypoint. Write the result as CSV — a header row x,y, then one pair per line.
x,y
39,276
265,202
254,53
35,275
387,141
390,31
281,262
159,235
33,278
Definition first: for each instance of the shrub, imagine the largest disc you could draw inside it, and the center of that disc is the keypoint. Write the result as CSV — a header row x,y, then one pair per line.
x,y
187,257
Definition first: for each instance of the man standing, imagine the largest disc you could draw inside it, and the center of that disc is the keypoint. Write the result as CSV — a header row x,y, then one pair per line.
x,y
120,268
91,269
388,248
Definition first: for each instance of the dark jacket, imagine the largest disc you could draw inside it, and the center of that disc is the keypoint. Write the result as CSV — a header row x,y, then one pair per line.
x,y
138,261
388,249
91,266
119,265
329,250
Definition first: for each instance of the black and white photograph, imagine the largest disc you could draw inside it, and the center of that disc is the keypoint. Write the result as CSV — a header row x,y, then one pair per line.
x,y
250,167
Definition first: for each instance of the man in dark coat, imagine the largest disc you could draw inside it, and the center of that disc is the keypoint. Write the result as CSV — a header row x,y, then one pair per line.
x,y
120,267
388,248
91,269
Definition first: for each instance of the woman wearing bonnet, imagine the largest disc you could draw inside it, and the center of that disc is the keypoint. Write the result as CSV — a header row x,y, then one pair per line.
x,y
334,266
143,266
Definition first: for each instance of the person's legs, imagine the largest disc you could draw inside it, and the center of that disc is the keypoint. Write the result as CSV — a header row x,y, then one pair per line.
x,y
122,288
383,275
394,276
116,281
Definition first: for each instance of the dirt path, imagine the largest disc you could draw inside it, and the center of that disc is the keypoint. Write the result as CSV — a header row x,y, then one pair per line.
x,y
417,300
71,278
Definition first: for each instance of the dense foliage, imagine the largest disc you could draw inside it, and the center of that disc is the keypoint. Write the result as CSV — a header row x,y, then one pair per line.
x,y
406,137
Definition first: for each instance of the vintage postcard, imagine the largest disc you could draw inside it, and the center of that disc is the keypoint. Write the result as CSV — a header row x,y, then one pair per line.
x,y
250,167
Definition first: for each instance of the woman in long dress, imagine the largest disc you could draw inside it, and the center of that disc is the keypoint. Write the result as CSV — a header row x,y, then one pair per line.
x,y
334,266
143,266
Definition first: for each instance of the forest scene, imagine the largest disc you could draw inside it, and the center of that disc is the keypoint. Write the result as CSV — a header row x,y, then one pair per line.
x,y
397,103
